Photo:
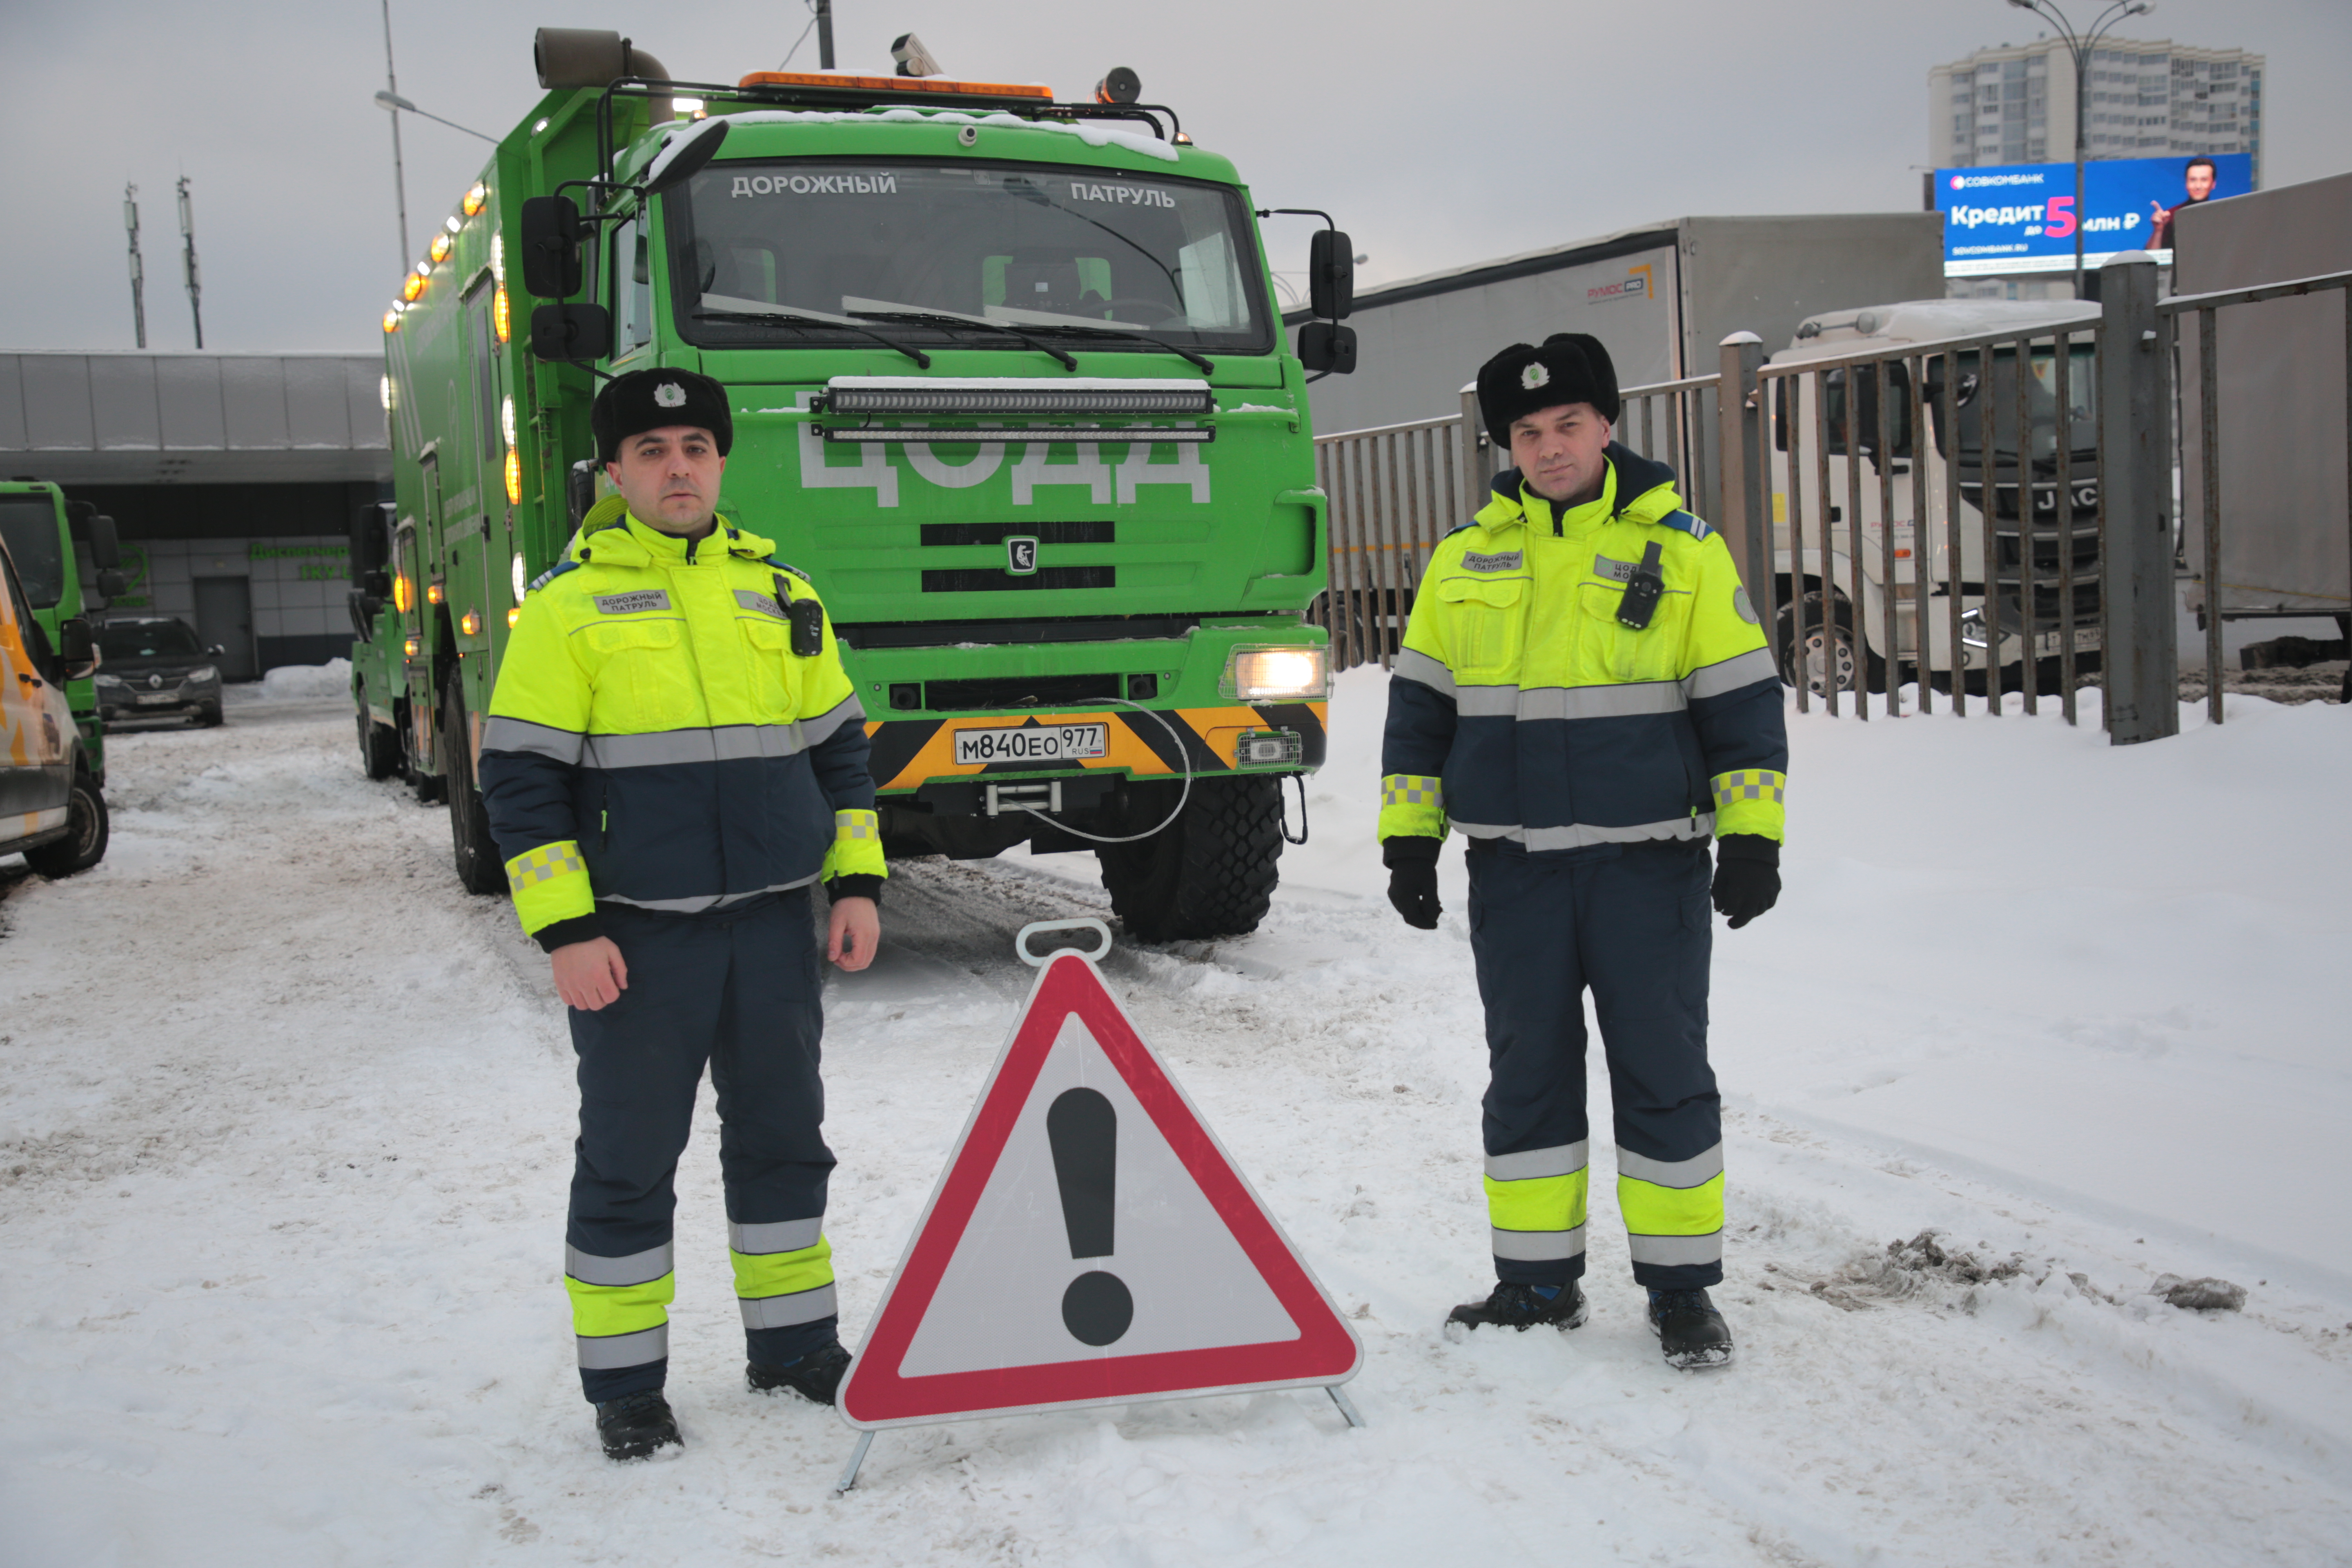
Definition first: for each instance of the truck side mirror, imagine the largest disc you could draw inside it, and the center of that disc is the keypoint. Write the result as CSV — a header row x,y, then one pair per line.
x,y
76,648
105,544
112,584
683,158
371,549
377,585
572,333
1330,276
551,246
1327,347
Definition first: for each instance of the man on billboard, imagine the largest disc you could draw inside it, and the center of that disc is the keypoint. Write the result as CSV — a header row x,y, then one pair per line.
x,y
2198,179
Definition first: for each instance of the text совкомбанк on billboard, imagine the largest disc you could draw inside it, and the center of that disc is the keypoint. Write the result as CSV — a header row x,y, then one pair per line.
x,y
2020,218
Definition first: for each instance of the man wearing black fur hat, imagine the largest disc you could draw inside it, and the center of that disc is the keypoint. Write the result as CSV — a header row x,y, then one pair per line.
x,y
1585,695
674,755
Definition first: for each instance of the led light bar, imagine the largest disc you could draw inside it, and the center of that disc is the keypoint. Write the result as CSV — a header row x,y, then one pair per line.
x,y
887,400
874,435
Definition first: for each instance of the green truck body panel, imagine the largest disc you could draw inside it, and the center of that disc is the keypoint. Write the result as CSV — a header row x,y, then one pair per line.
x,y
40,540
1152,560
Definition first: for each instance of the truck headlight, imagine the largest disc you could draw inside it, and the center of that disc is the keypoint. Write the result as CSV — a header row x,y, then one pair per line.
x,y
1261,674
1972,629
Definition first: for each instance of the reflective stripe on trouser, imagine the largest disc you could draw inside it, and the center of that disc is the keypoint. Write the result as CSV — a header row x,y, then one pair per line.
x,y
1534,1200
783,1273
1631,923
735,988
1673,1208
620,1306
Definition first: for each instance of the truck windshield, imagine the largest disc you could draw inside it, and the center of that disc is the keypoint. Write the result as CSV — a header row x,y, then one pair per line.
x,y
1062,254
146,639
29,524
2041,405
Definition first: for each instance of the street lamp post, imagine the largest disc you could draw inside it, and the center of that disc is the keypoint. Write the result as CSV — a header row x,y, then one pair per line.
x,y
2079,45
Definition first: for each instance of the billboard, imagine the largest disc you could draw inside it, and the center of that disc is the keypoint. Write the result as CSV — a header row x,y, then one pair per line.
x,y
2020,217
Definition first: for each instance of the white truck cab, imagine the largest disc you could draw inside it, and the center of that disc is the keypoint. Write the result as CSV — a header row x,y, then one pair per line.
x,y
1834,647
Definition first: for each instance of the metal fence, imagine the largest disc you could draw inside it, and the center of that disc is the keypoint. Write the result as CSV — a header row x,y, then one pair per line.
x,y
2207,403
1978,550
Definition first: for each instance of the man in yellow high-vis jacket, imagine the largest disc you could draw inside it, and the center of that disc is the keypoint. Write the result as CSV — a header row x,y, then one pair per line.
x,y
674,755
1585,695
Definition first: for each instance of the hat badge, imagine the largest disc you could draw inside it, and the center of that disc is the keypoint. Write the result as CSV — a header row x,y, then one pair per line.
x,y
670,395
1535,375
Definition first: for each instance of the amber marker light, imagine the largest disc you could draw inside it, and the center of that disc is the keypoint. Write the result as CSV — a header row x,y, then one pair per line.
x,y
412,647
476,198
514,477
391,321
503,314
470,624
412,286
439,250
513,617
433,594
403,594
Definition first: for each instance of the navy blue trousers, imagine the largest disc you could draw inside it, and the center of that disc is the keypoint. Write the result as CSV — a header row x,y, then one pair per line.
x,y
1632,923
739,989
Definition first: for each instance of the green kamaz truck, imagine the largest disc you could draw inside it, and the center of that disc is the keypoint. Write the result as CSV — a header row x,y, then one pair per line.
x,y
1010,386
52,799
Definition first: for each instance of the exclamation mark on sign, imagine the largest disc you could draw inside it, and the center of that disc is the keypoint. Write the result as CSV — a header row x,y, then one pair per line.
x,y
1083,1129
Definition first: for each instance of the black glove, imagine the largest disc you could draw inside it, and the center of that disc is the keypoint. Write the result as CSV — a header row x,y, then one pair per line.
x,y
1747,876
1412,880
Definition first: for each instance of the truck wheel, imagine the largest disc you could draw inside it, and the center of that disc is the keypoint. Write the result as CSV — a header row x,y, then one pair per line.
x,y
1212,872
84,845
379,746
477,854
1831,653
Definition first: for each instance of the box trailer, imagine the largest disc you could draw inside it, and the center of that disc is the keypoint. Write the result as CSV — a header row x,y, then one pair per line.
x,y
2278,417
1661,297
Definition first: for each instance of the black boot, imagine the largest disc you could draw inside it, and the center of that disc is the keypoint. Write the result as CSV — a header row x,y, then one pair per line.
x,y
636,1424
1522,1306
1690,1331
815,1376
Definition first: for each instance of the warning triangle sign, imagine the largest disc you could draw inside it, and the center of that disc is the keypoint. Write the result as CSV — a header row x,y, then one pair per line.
x,y
1091,1243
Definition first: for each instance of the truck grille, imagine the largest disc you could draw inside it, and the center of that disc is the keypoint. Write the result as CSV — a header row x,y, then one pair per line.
x,y
1097,531
1019,691
996,580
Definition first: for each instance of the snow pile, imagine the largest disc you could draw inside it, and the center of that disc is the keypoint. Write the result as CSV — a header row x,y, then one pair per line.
x,y
285,1125
306,682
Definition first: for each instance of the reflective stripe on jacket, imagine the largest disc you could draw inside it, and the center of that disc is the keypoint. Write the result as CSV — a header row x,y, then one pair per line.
x,y
1522,709
653,740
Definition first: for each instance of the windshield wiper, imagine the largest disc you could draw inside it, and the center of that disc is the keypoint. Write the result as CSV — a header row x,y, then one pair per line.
x,y
748,311
1203,361
948,318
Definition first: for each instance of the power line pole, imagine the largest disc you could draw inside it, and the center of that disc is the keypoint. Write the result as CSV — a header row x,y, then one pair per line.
x,y
399,177
138,268
188,258
824,34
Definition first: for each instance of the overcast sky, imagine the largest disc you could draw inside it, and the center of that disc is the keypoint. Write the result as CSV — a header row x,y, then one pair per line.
x,y
1438,133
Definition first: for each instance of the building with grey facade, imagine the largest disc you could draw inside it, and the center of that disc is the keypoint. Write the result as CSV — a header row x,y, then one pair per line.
x,y
232,479
2147,98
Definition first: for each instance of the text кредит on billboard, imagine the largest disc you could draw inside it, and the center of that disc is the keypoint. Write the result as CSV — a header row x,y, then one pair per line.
x,y
2020,218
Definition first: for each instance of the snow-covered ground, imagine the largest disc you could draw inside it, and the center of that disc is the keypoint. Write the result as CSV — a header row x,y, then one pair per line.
x,y
285,1127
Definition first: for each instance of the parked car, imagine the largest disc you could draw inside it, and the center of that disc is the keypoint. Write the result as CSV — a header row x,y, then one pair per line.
x,y
52,809
154,667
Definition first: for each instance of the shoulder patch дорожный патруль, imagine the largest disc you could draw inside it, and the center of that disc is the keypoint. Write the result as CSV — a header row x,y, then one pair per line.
x,y
1507,560
633,604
